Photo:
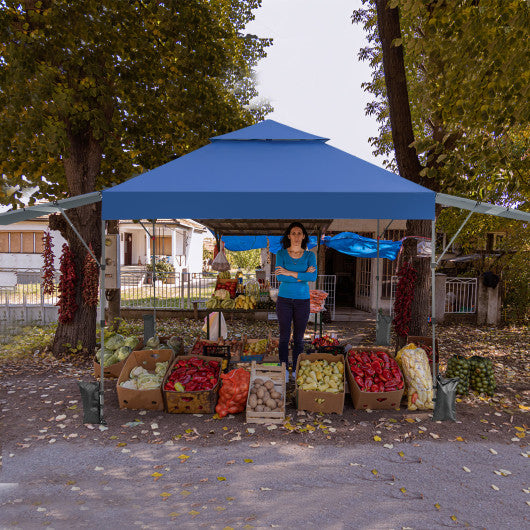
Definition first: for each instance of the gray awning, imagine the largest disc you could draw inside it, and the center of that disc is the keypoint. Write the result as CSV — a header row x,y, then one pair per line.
x,y
31,212
481,207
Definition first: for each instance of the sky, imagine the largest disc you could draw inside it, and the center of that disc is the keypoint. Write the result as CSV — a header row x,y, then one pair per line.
x,y
312,76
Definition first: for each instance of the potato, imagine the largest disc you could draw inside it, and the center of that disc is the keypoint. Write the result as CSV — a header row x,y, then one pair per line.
x,y
279,402
260,392
252,401
270,403
258,382
260,401
266,396
266,409
275,395
259,408
269,385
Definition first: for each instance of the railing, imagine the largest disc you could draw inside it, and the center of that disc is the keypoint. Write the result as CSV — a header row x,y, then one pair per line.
x,y
461,295
327,282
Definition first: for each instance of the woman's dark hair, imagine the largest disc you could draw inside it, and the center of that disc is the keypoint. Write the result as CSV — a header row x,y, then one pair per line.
x,y
286,243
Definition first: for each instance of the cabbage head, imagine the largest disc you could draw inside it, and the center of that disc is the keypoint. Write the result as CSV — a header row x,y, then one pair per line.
x,y
111,359
115,342
130,383
132,342
137,371
108,353
161,368
152,343
123,352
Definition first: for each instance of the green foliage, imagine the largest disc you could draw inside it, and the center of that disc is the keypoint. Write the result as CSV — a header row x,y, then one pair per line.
x,y
27,341
246,259
468,78
135,84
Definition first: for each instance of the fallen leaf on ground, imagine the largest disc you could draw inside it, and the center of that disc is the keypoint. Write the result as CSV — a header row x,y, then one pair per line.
x,y
221,479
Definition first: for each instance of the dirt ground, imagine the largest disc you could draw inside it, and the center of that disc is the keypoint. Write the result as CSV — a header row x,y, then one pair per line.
x,y
40,404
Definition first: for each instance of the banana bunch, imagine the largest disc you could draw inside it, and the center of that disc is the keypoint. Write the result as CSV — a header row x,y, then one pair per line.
x,y
246,302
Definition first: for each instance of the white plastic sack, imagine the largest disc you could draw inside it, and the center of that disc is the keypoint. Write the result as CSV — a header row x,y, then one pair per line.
x,y
220,263
215,332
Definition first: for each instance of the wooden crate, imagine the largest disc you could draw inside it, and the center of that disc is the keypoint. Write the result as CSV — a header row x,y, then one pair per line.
x,y
196,402
277,375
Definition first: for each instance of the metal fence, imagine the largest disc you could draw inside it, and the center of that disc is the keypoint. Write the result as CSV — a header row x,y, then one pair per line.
x,y
461,295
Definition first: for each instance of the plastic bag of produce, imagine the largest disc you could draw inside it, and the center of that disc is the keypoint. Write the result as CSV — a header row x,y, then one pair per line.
x,y
458,366
415,367
132,342
481,376
115,342
123,352
220,263
176,344
445,408
233,392
217,326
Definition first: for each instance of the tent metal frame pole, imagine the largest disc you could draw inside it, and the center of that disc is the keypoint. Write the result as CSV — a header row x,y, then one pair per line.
x,y
433,298
153,262
102,268
79,236
377,277
433,242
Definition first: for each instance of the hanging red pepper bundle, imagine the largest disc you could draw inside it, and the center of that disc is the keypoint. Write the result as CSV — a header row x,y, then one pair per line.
x,y
404,297
48,267
90,281
375,371
233,393
67,304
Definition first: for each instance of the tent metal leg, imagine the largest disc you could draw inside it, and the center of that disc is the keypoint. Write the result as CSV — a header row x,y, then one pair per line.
x,y
153,263
102,325
377,276
433,299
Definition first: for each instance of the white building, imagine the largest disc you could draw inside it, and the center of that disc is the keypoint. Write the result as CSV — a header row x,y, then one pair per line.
x,y
179,241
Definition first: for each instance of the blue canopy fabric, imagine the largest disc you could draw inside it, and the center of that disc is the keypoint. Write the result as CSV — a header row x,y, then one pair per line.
x,y
268,171
363,247
345,242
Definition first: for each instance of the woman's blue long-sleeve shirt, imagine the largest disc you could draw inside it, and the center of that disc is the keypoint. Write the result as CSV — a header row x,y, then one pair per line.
x,y
296,287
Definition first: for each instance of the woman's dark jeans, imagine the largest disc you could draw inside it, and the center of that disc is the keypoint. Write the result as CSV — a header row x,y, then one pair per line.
x,y
295,311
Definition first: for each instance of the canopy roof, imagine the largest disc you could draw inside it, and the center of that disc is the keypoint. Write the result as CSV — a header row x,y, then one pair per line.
x,y
268,171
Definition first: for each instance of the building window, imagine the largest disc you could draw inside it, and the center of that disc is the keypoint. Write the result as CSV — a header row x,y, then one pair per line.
x,y
21,242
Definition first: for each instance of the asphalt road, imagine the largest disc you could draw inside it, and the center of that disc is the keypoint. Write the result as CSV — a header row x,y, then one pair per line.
x,y
281,485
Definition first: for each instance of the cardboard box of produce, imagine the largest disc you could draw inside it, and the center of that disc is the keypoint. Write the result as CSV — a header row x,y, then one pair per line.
x,y
142,399
315,401
196,402
372,400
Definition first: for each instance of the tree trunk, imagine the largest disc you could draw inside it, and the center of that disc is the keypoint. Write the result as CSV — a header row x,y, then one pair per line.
x,y
113,295
81,168
406,157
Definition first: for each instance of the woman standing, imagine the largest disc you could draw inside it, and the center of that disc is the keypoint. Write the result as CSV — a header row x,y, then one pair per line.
x,y
295,267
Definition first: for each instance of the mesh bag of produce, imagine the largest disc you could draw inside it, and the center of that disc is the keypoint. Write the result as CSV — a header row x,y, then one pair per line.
x,y
445,408
458,366
233,392
481,376
415,367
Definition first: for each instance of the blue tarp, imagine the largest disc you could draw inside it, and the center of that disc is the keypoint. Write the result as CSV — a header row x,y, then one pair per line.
x,y
363,247
268,171
251,242
345,242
